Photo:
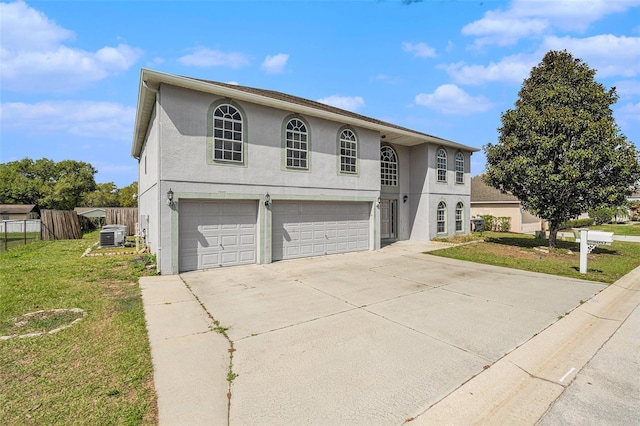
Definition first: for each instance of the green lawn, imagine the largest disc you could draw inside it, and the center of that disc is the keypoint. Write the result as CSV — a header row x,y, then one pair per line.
x,y
605,264
633,230
98,371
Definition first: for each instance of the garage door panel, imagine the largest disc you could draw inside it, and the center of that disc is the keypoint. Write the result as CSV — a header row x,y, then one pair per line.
x,y
216,233
316,228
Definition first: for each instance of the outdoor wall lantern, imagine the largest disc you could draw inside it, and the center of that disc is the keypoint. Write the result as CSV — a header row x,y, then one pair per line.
x,y
169,197
267,200
378,203
405,198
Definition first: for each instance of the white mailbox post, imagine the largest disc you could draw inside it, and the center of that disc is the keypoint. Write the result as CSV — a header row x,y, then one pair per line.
x,y
588,241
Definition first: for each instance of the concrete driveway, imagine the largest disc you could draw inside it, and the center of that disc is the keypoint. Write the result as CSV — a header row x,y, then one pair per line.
x,y
361,338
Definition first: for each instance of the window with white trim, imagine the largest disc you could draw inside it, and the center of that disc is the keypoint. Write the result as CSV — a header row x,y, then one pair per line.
x,y
227,134
441,218
459,217
459,168
348,152
388,166
297,144
441,165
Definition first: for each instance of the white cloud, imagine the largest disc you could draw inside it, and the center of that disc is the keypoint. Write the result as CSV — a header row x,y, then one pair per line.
x,y
207,58
275,64
627,88
26,28
525,18
387,78
34,58
608,54
512,69
629,112
80,118
450,46
155,61
450,99
420,50
350,103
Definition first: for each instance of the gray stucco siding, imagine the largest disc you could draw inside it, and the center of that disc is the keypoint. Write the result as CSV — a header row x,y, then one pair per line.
x,y
184,142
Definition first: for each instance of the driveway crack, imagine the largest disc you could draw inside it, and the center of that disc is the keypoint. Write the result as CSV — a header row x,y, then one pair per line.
x,y
217,327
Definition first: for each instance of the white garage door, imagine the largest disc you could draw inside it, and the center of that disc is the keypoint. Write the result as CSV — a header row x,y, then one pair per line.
x,y
217,233
303,229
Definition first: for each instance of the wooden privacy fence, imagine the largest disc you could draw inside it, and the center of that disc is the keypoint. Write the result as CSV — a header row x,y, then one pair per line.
x,y
122,216
60,225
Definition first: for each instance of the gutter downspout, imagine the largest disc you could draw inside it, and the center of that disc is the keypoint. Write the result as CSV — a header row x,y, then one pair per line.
x,y
159,202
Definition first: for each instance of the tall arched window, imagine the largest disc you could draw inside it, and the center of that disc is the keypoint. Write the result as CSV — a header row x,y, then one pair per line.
x,y
441,218
348,152
297,143
441,165
388,166
459,217
227,134
459,168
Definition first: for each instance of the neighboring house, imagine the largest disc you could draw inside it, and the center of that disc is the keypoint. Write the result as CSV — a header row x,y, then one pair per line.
x,y
233,175
486,200
19,212
91,212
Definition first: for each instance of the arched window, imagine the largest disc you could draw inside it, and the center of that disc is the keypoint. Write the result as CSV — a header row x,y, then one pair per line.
x,y
388,166
441,218
459,217
441,165
297,144
227,134
348,151
459,168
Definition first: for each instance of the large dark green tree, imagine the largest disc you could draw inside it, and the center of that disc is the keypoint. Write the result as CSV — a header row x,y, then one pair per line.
x,y
47,184
560,151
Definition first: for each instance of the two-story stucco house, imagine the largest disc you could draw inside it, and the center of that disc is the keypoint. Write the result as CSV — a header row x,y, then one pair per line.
x,y
233,175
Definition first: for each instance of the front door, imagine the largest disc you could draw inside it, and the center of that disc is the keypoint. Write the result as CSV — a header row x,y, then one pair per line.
x,y
388,219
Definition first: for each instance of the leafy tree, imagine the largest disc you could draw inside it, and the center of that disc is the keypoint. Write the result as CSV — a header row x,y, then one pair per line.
x,y
105,195
601,215
559,150
43,182
129,195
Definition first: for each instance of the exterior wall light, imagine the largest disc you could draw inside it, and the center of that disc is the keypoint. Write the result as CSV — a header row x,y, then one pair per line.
x,y
267,200
169,197
405,198
378,203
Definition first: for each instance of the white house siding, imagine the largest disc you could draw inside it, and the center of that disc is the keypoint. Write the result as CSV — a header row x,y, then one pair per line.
x,y
176,153
148,184
183,144
426,192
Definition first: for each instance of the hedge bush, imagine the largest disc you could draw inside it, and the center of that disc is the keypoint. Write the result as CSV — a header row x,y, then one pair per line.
x,y
577,223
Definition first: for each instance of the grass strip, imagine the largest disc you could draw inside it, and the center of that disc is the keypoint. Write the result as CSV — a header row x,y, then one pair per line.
x,y
519,251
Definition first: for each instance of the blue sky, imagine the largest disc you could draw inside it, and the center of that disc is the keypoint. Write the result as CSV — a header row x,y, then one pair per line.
x,y
69,70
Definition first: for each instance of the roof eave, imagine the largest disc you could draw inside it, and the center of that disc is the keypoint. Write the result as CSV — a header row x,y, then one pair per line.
x,y
150,78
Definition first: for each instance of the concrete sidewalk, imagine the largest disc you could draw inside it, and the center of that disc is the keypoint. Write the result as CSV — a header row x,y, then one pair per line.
x,y
191,361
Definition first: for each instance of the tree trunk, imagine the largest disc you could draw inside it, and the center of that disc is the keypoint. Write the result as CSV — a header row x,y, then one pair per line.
x,y
553,234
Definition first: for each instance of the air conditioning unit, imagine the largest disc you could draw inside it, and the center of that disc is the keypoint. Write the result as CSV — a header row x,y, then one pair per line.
x,y
113,235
